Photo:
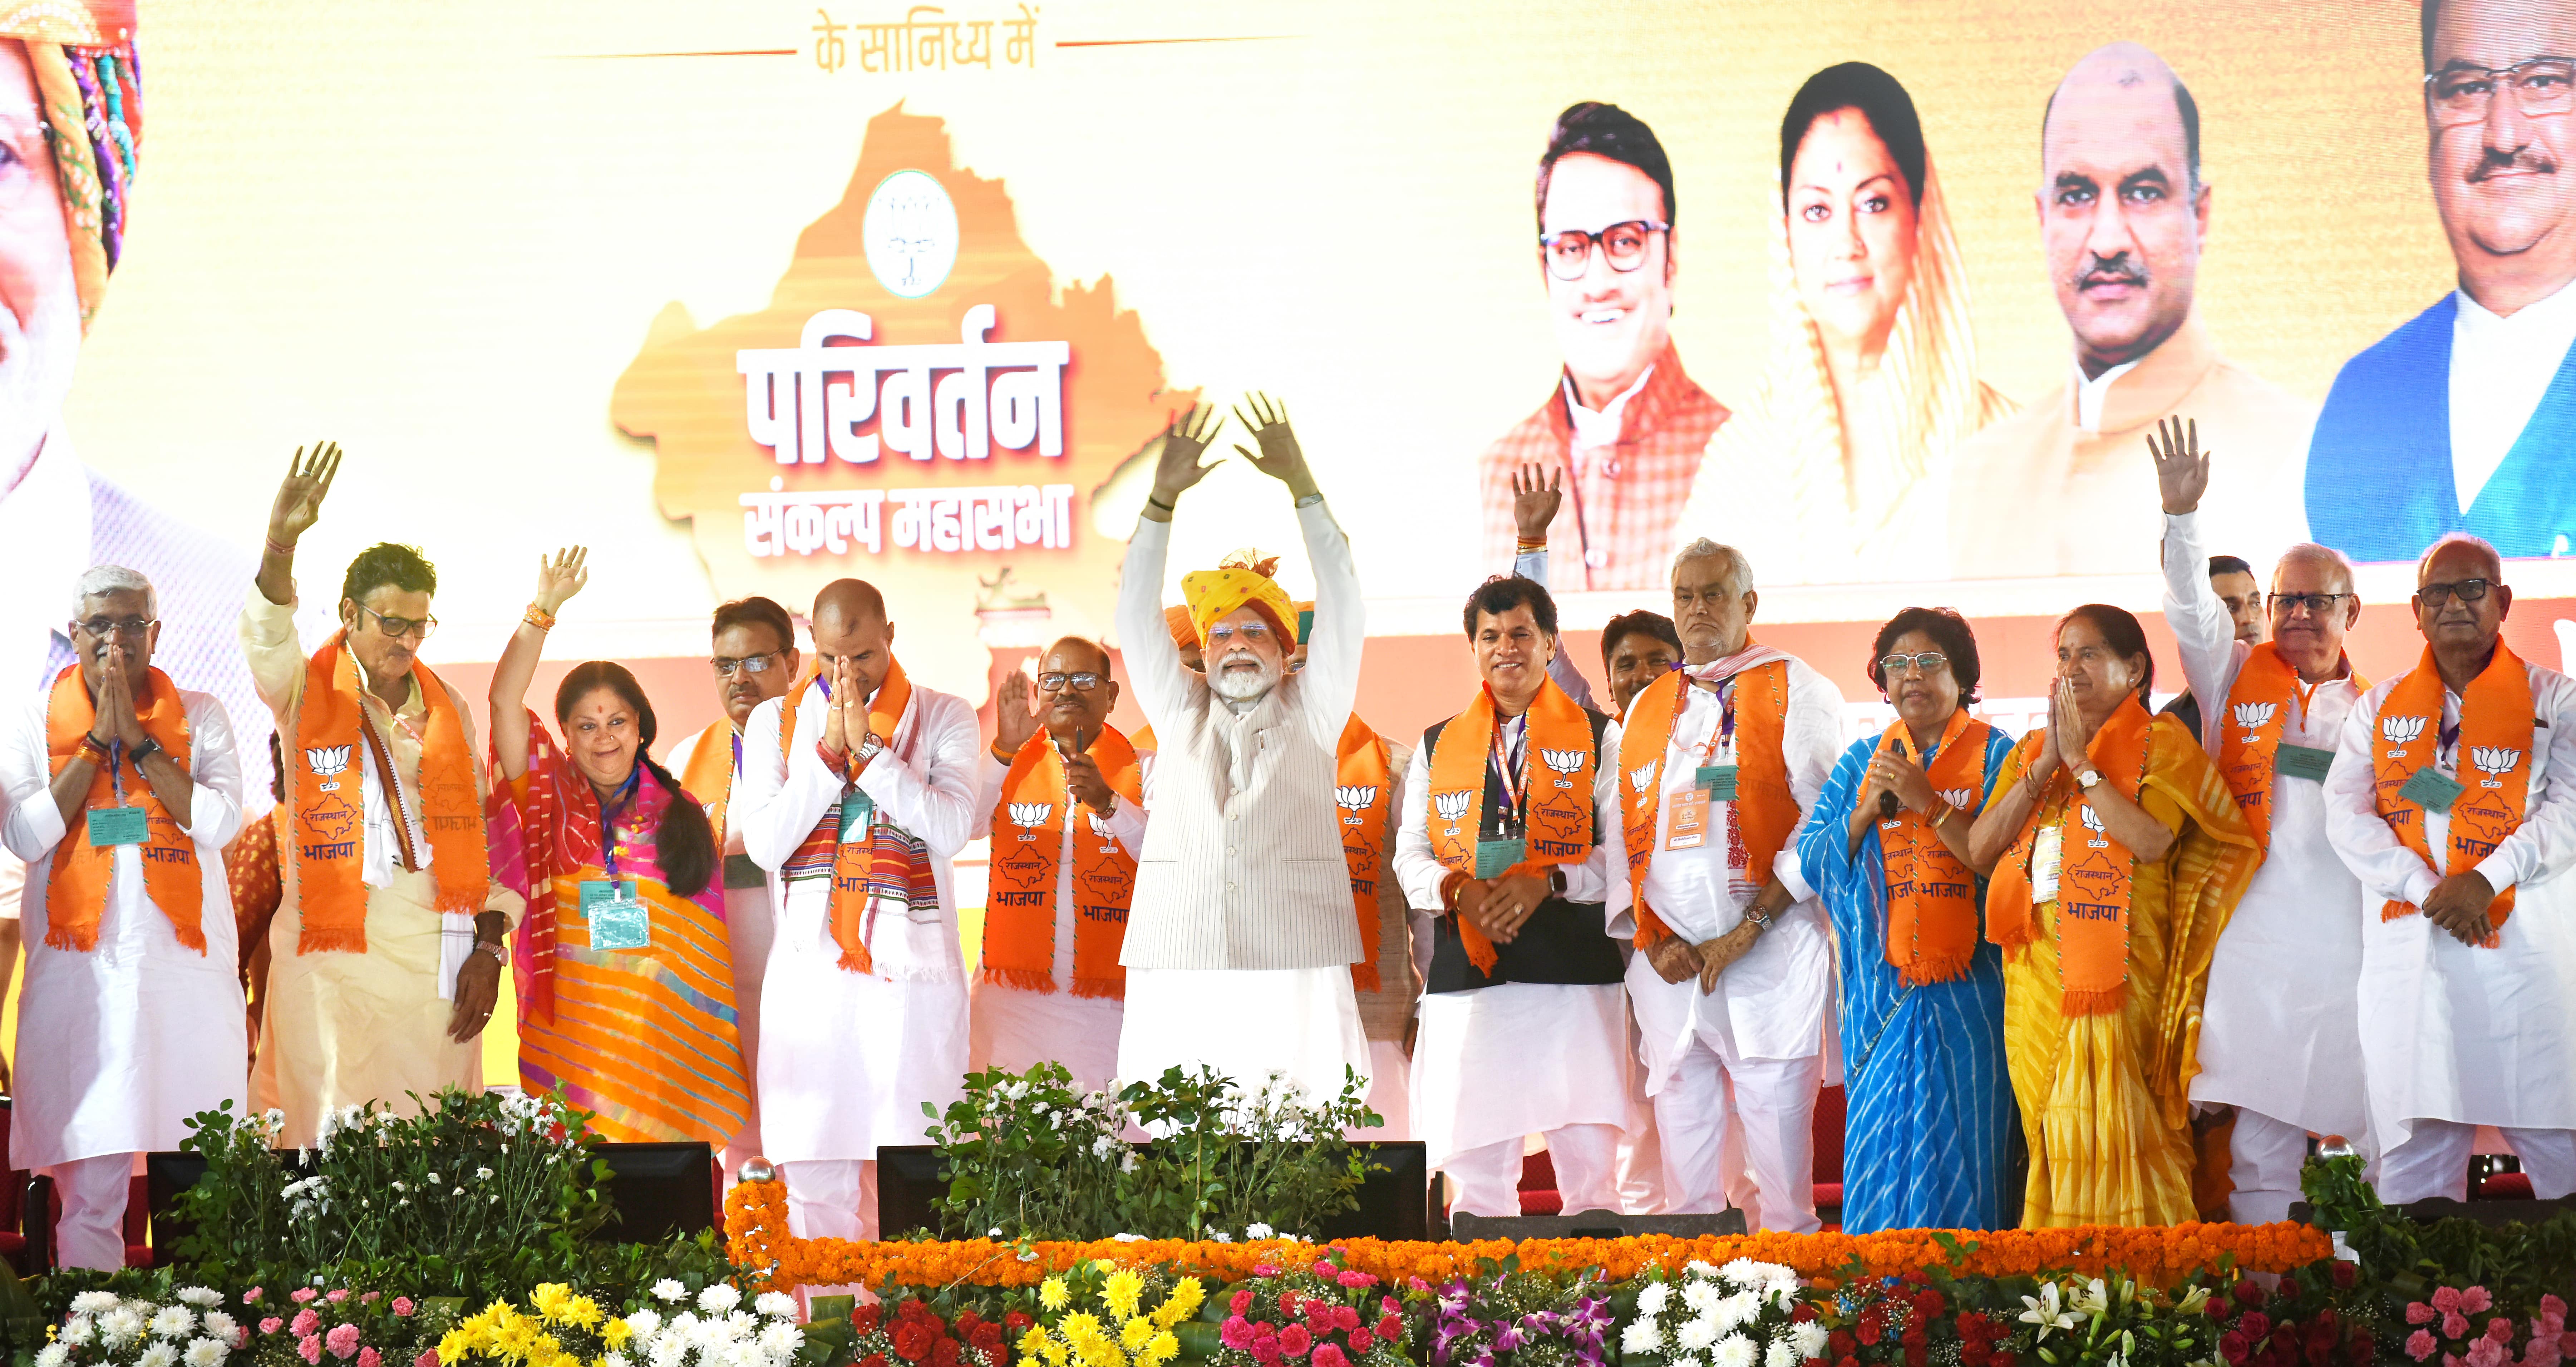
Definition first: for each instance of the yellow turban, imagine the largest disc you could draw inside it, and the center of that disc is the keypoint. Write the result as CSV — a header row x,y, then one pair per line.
x,y
1240,580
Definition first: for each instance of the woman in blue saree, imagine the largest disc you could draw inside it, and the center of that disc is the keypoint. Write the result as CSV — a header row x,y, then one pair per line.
x,y
1930,1117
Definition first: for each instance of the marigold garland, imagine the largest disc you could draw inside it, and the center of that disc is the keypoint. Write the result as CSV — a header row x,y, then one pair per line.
x,y
756,1221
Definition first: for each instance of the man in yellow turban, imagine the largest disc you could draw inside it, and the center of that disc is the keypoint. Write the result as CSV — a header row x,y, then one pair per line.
x,y
1241,933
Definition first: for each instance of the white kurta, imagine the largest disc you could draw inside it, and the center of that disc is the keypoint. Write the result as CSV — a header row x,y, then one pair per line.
x,y
119,1044
1015,1029
2281,1032
1515,1059
1771,1004
847,1059
751,928
2452,1031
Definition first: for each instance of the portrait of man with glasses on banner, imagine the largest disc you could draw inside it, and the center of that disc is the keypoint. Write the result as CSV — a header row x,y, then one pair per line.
x,y
2464,418
1623,423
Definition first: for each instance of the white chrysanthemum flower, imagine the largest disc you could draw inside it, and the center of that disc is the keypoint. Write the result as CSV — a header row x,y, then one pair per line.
x,y
200,1296
668,1290
1641,1336
1735,1350
719,1298
777,1304
1652,1300
220,1325
1258,1230
1220,1236
159,1354
615,1360
1699,1296
1741,1308
54,1354
173,1321
643,1324
78,1330
93,1302
669,1351
781,1340
1696,1335
205,1353
1809,1338
1780,1354
1701,1267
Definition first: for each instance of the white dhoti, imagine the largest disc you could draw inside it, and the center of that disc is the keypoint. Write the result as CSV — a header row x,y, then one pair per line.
x,y
1709,1091
1016,1030
1300,1023
1496,1064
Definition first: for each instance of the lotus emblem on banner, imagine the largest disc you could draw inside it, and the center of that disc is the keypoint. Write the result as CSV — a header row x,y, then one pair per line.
x,y
1643,777
327,760
2495,759
2092,819
2402,730
1965,799
1563,761
2254,716
1031,814
1355,797
1452,806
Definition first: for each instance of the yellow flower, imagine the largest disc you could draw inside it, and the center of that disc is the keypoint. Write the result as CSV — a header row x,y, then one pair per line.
x,y
1122,1292
615,1333
1164,1348
1189,1295
1135,1334
551,1299
455,1346
583,1312
1052,1293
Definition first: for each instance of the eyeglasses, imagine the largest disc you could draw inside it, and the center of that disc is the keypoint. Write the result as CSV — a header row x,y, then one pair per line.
x,y
1223,635
748,664
401,626
1569,253
130,628
2466,590
1082,682
2316,604
1927,664
2541,85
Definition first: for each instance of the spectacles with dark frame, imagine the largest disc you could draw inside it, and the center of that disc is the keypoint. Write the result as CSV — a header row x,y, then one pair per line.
x,y
1081,681
1927,664
401,626
2463,93
1623,245
2317,604
748,664
2466,590
129,628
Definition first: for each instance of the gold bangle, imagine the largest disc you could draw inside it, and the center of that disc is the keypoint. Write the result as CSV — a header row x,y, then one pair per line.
x,y
539,618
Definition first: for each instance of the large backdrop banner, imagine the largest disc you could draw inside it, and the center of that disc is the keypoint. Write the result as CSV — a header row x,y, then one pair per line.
x,y
752,296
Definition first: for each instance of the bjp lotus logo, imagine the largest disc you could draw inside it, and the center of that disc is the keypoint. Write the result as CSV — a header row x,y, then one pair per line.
x,y
1563,761
1028,815
1355,797
2401,730
327,760
1640,779
2093,823
2254,716
1965,799
1452,807
2496,761
1099,823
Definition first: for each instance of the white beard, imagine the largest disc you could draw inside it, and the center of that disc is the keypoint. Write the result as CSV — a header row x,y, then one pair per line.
x,y
36,364
1241,692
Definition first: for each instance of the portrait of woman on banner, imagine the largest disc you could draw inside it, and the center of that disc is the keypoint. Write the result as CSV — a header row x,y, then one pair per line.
x,y
1832,472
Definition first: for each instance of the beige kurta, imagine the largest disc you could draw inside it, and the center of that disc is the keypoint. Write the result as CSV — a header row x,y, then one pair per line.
x,y
2035,494
345,1029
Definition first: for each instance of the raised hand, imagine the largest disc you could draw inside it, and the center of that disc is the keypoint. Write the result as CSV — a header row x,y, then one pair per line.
x,y
2182,468
1183,443
1279,457
299,499
2064,747
115,705
1536,495
1015,717
561,576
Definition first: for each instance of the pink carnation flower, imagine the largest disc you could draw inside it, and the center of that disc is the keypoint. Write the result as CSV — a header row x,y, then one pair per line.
x,y
1326,1355
2486,1352
2475,1299
1294,1340
372,1297
306,1321
1325,1269
251,1297
2500,1329
2455,1325
426,1359
2551,1305
2417,1312
271,1325
2419,1345
1237,1333
310,1349
342,1341
302,1294
340,1295
369,1357
1356,1280
402,1305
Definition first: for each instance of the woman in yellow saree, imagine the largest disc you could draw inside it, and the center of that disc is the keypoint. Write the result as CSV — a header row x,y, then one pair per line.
x,y
625,971
2116,854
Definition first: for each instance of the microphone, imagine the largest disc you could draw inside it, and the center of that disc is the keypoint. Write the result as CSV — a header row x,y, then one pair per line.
x,y
1887,806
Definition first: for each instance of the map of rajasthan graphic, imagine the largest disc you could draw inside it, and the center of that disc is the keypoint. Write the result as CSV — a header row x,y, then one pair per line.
x,y
684,391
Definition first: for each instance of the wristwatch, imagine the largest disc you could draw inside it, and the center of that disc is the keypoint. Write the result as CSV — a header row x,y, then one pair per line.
x,y
1753,912
2088,778
146,750
868,748
500,952
1112,809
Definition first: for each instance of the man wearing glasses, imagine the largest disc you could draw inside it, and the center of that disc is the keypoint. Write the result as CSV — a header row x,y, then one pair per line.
x,y
2464,419
2280,1034
119,789
1063,793
2451,800
2123,218
1623,422
755,660
387,950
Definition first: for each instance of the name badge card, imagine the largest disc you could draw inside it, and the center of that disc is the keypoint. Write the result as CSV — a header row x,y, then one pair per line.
x,y
1688,828
618,918
2303,761
1495,857
2430,790
1718,781
857,811
117,826
2047,854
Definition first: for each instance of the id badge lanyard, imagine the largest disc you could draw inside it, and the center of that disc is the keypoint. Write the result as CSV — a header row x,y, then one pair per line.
x,y
119,824
1497,854
618,920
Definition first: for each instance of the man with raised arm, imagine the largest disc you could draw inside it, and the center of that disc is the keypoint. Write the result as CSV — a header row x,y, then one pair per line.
x,y
2453,800
1718,763
119,789
755,660
1062,793
390,963
1243,929
2280,1033
858,789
